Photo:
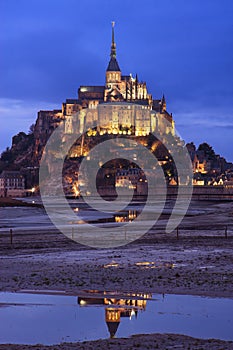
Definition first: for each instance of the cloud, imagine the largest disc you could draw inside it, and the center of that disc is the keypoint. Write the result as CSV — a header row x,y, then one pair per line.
x,y
50,48
214,126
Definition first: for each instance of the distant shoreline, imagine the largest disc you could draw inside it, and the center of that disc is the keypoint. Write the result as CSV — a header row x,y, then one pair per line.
x,y
11,202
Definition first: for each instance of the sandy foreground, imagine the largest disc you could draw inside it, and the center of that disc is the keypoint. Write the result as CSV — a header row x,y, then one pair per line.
x,y
152,341
200,262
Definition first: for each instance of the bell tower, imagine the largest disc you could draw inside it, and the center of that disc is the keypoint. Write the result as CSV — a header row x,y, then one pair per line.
x,y
113,72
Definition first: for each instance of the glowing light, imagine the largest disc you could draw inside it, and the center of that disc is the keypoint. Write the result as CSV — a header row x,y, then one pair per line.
x,y
76,189
144,263
112,264
83,89
132,314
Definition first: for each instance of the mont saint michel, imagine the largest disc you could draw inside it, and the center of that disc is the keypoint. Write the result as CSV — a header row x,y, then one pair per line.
x,y
116,181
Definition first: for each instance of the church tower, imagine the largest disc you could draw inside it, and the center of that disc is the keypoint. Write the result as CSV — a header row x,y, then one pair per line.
x,y
113,72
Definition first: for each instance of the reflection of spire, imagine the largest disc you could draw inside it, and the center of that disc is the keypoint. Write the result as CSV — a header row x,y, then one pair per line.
x,y
115,307
112,328
112,318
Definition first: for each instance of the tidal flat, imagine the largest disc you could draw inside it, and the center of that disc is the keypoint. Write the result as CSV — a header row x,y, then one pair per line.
x,y
199,262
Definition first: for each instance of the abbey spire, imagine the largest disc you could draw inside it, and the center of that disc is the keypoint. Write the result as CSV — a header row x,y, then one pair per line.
x,y
113,64
113,46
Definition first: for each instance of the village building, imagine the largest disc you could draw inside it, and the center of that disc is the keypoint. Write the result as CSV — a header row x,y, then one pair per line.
x,y
12,184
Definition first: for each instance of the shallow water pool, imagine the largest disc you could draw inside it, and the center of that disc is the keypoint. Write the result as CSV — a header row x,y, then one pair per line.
x,y
55,317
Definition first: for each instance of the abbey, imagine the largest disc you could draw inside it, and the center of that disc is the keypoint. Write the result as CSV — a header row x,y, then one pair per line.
x,y
146,114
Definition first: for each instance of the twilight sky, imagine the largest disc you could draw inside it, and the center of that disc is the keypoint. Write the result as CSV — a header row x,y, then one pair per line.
x,y
181,48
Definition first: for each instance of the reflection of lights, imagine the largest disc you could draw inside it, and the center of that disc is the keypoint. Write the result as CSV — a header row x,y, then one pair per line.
x,y
112,264
33,189
120,219
76,209
153,265
144,263
33,202
76,189
131,215
132,314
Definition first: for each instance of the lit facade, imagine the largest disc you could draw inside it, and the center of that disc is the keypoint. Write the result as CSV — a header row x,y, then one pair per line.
x,y
121,106
146,114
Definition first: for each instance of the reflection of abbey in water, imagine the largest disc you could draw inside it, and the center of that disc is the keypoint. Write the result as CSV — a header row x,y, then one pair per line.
x,y
126,216
116,307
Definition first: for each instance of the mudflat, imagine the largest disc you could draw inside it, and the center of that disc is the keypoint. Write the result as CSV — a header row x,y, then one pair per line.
x,y
198,262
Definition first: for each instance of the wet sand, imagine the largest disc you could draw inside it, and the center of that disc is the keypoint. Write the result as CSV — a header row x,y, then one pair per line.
x,y
143,342
200,262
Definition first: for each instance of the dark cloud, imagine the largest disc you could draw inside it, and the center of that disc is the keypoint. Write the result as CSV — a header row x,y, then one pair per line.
x,y
181,48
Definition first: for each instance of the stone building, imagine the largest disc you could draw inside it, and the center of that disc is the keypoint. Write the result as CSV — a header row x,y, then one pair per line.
x,y
12,184
148,115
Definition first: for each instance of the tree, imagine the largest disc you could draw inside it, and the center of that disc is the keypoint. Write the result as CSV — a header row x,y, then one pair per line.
x,y
208,150
31,129
7,155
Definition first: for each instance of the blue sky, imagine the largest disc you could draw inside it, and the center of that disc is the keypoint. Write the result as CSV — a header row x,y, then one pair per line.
x,y
183,49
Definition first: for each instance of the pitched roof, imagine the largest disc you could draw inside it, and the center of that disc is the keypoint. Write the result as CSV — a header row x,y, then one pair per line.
x,y
113,65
